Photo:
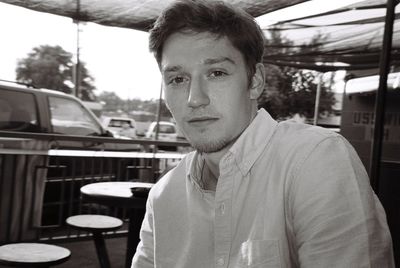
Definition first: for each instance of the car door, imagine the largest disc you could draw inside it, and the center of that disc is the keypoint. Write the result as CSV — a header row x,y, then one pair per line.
x,y
22,181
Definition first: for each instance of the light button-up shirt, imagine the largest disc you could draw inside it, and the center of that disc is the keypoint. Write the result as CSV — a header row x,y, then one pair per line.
x,y
288,195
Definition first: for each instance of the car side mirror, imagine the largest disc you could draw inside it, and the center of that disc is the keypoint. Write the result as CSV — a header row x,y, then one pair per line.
x,y
107,133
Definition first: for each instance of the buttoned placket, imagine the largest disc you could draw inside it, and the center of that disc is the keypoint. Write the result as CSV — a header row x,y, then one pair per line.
x,y
223,213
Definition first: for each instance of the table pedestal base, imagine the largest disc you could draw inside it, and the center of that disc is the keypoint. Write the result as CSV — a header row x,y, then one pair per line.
x,y
135,223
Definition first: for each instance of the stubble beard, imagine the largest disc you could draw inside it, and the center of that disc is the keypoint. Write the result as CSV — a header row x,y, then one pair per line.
x,y
210,147
206,144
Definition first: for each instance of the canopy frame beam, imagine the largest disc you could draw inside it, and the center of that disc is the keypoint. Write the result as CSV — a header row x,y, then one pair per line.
x,y
380,102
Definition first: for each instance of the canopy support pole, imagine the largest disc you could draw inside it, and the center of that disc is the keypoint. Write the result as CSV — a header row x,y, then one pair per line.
x,y
380,102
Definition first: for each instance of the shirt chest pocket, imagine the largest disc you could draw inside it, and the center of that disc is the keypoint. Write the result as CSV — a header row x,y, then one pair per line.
x,y
259,253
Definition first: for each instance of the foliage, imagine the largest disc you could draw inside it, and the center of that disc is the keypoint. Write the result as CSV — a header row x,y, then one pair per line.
x,y
115,103
289,91
52,67
111,101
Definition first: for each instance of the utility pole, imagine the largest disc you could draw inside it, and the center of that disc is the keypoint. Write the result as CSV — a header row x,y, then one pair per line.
x,y
317,98
77,78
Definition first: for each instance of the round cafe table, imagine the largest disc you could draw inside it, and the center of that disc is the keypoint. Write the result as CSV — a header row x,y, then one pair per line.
x,y
120,194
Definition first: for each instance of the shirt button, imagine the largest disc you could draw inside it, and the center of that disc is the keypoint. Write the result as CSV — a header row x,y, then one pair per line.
x,y
222,208
220,261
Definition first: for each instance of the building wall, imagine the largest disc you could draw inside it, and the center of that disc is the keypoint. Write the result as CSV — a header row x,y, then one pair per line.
x,y
358,121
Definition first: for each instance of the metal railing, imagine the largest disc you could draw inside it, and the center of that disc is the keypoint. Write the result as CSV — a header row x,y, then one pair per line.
x,y
40,187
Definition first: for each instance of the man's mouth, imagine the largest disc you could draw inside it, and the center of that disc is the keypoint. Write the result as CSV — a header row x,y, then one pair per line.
x,y
202,120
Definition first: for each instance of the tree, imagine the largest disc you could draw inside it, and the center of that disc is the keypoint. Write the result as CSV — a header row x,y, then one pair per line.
x,y
289,91
152,106
52,67
111,101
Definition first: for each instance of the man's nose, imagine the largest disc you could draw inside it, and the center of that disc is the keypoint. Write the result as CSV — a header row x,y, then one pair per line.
x,y
198,94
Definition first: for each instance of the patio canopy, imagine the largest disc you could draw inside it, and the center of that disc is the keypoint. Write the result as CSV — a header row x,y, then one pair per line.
x,y
134,14
349,38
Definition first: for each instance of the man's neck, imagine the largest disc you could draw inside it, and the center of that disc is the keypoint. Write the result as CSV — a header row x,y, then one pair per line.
x,y
210,173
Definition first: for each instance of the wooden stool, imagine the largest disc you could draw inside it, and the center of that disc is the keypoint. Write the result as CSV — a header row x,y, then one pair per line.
x,y
96,224
32,255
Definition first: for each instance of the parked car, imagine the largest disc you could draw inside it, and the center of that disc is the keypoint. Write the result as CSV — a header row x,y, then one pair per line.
x,y
120,126
167,131
24,109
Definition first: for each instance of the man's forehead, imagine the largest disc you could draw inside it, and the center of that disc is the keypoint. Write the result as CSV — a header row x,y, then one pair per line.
x,y
204,47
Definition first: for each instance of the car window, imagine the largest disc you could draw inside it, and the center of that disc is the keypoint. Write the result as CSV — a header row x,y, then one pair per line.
x,y
119,123
166,129
71,118
18,111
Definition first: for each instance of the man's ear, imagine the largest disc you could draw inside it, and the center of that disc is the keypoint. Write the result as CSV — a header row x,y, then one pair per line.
x,y
257,82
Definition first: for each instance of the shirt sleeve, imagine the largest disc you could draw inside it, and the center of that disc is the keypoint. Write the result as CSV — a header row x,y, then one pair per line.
x,y
144,256
337,219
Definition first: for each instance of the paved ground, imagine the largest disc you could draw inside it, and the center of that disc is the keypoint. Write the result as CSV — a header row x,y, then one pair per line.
x,y
83,253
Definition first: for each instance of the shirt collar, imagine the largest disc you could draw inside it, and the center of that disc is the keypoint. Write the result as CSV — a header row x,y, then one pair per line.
x,y
194,164
245,150
253,141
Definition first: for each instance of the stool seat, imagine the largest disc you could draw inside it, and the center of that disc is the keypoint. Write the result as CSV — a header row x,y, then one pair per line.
x,y
96,224
90,222
32,254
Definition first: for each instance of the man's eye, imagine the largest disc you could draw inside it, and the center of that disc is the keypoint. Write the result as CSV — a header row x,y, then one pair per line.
x,y
176,80
217,73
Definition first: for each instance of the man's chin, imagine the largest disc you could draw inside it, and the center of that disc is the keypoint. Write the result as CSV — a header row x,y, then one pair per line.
x,y
210,146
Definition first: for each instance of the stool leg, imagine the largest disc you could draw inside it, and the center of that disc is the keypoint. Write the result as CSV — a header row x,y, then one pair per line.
x,y
101,250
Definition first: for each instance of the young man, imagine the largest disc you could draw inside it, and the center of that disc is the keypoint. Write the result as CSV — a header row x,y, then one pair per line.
x,y
255,193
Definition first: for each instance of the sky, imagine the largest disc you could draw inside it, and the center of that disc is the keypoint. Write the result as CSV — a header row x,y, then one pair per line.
x,y
117,58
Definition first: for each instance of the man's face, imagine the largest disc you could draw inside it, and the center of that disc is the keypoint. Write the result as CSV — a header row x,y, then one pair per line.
x,y
206,88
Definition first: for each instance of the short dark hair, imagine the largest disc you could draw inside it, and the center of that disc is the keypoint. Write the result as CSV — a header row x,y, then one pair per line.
x,y
217,18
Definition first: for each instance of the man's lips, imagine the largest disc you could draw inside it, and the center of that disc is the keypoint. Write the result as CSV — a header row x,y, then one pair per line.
x,y
203,120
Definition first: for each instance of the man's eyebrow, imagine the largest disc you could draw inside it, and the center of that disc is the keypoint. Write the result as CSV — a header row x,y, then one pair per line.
x,y
172,68
218,60
175,68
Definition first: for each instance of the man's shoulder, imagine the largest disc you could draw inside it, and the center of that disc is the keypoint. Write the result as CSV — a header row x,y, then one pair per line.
x,y
293,132
297,139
